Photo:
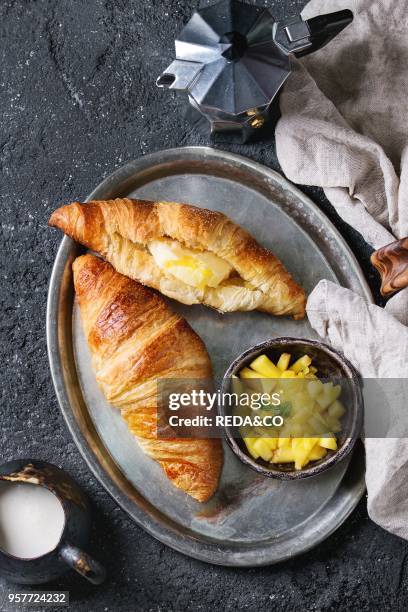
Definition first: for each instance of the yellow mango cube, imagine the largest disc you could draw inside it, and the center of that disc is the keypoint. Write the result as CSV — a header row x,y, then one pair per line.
x,y
318,452
309,443
248,373
302,415
302,400
321,418
297,442
302,363
266,367
283,455
331,392
284,442
315,388
328,442
301,457
252,379
272,443
288,374
283,362
316,425
336,410
262,447
324,400
249,443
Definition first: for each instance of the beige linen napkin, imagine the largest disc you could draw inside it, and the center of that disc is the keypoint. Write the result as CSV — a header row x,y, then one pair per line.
x,y
344,127
378,345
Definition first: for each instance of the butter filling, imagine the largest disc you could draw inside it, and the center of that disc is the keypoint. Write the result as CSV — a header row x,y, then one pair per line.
x,y
195,268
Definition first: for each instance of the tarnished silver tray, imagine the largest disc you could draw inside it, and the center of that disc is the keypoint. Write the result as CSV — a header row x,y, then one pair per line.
x,y
251,520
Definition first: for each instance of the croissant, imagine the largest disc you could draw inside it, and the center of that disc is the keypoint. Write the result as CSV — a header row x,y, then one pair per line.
x,y
135,339
193,255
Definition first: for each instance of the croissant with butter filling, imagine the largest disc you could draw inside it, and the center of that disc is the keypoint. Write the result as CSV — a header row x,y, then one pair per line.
x,y
135,340
193,255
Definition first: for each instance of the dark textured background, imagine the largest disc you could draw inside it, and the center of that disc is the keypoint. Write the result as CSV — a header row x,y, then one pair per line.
x,y
77,100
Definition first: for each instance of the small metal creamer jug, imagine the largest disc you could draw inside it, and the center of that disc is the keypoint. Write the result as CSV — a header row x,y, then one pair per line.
x,y
75,534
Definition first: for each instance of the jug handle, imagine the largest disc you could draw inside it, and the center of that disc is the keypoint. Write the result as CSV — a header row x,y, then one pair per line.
x,y
300,38
83,563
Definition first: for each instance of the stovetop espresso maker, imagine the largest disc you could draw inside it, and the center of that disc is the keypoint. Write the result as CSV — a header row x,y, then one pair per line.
x,y
232,59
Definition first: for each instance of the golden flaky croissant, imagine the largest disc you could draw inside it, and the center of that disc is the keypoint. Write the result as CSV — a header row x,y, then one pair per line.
x,y
135,339
193,255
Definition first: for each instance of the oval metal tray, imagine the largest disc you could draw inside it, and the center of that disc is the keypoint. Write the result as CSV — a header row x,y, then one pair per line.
x,y
251,520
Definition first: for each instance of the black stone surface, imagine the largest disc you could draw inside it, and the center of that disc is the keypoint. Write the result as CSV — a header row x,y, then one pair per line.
x,y
77,100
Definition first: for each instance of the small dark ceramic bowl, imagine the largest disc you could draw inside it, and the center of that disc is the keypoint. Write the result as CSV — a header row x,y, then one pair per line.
x,y
330,364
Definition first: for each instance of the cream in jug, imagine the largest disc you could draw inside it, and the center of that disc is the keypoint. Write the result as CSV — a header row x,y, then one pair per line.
x,y
31,520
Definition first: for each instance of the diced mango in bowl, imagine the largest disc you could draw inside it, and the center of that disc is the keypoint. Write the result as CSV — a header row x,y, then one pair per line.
x,y
312,411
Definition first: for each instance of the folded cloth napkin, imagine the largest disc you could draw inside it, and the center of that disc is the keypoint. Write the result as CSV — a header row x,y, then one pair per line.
x,y
378,346
344,128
